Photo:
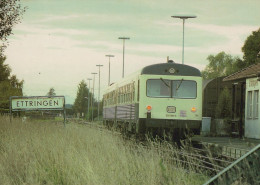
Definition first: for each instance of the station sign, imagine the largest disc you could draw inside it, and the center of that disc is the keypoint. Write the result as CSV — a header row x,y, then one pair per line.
x,y
37,103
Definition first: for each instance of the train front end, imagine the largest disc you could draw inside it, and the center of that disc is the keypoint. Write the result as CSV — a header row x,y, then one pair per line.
x,y
171,97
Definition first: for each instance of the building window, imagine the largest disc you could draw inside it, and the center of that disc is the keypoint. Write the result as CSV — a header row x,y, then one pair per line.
x,y
256,104
249,104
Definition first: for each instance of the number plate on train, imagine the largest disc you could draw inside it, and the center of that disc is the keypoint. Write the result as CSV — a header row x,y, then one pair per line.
x,y
171,109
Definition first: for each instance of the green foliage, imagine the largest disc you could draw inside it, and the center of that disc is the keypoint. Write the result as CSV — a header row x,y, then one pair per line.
x,y
221,64
251,48
224,106
224,64
10,14
89,114
51,92
5,70
9,85
81,101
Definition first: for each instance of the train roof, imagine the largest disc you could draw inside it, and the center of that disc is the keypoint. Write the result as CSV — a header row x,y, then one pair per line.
x,y
171,68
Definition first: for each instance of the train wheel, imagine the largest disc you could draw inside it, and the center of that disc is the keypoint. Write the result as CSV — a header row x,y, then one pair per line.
x,y
140,127
196,131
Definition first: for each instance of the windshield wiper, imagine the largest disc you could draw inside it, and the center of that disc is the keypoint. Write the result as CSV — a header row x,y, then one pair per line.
x,y
179,85
164,82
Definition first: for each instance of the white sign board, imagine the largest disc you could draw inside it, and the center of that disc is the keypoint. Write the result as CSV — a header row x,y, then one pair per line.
x,y
37,103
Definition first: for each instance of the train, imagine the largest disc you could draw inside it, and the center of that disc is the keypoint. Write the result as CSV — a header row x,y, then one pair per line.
x,y
158,98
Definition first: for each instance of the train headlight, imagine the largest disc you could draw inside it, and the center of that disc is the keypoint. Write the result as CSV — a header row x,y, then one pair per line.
x,y
149,107
193,109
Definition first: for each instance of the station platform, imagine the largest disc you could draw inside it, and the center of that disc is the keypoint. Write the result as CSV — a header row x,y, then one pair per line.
x,y
232,147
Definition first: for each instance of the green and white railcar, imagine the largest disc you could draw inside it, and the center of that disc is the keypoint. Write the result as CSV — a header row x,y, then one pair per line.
x,y
163,96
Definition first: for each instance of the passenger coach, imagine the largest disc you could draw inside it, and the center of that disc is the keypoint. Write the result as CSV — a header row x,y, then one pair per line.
x,y
166,96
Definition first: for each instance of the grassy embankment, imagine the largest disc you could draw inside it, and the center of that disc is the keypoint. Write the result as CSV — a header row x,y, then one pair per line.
x,y
48,153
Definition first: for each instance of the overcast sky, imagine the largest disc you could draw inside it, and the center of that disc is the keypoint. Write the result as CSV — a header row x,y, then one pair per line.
x,y
60,42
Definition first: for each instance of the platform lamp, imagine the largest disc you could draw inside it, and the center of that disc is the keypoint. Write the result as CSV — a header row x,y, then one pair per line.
x,y
123,38
109,56
183,17
93,94
89,79
98,87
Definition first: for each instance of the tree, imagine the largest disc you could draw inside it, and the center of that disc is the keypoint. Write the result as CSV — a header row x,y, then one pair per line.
x,y
221,64
51,92
9,85
5,70
251,48
10,14
81,101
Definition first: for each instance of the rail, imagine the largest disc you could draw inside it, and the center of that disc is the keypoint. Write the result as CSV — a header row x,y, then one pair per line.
x,y
246,168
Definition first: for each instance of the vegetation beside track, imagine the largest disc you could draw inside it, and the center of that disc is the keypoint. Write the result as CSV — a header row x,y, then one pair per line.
x,y
47,153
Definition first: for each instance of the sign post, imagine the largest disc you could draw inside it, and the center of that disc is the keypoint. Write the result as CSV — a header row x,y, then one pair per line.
x,y
37,103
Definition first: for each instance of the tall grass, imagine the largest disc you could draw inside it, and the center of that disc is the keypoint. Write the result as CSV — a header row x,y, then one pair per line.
x,y
47,153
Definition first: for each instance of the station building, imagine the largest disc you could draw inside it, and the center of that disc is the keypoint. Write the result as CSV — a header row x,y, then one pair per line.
x,y
248,80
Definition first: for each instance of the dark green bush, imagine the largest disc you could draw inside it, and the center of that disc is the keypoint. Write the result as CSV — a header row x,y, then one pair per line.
x,y
224,106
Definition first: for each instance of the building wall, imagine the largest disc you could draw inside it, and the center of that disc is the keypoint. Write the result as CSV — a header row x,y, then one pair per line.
x,y
252,116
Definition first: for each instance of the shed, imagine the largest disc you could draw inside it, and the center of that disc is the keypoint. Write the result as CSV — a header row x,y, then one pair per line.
x,y
249,76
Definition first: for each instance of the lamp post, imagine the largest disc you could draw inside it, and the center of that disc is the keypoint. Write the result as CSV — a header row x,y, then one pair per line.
x,y
183,17
89,79
98,87
123,38
109,56
93,94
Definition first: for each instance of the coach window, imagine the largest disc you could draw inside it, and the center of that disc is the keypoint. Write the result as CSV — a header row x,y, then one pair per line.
x,y
130,97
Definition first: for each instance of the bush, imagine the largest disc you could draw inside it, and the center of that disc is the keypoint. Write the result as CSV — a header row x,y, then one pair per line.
x,y
224,106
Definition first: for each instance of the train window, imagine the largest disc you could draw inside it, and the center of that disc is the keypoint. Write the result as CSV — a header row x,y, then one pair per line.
x,y
163,88
158,88
184,89
129,97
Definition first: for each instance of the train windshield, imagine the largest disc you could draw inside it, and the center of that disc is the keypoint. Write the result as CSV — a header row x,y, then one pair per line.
x,y
162,88
159,88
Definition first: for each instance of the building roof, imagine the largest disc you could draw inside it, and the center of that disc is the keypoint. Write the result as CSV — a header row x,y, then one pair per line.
x,y
251,71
